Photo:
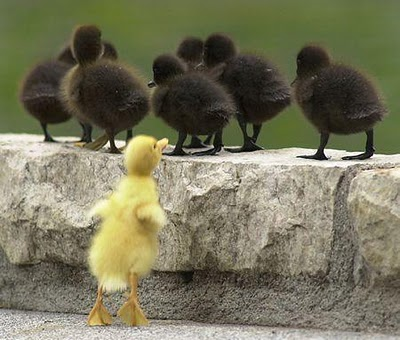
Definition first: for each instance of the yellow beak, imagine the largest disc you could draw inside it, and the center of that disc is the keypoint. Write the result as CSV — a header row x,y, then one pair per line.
x,y
162,143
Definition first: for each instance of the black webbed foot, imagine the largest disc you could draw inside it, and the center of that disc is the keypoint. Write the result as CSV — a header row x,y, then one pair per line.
x,y
115,151
318,156
365,155
209,152
86,139
248,146
195,143
176,152
49,139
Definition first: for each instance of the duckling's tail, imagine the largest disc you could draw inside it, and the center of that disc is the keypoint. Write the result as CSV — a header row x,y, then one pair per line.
x,y
131,314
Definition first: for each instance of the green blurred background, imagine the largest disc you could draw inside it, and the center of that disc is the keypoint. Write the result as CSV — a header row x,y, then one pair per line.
x,y
362,33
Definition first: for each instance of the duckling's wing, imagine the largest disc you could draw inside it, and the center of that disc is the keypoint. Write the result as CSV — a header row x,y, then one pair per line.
x,y
131,100
39,92
360,111
278,92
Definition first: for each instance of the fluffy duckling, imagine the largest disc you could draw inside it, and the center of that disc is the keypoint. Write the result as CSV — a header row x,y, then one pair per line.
x,y
190,50
66,55
39,93
190,103
258,88
101,91
126,245
336,99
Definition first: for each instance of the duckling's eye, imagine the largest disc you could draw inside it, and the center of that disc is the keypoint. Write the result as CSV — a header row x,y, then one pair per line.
x,y
155,146
155,70
298,61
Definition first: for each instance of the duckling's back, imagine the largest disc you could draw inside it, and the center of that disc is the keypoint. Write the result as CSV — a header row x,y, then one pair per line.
x,y
40,92
123,244
110,95
259,89
195,104
342,100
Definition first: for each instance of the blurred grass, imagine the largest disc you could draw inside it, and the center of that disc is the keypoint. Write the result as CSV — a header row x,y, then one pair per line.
x,y
363,33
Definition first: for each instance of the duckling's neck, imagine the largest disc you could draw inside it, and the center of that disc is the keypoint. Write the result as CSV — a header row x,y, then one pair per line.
x,y
308,73
139,174
88,54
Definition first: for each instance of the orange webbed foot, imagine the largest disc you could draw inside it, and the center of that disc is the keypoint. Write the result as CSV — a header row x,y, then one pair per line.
x,y
132,315
99,316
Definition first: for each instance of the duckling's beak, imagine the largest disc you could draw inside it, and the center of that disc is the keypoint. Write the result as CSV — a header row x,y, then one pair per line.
x,y
151,84
200,67
293,82
162,143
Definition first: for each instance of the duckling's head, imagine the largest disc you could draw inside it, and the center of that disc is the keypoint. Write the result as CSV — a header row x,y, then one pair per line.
x,y
165,68
191,50
143,154
66,56
311,59
110,52
218,48
87,46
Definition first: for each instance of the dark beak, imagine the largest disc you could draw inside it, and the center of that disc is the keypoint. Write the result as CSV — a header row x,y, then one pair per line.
x,y
293,82
151,84
200,67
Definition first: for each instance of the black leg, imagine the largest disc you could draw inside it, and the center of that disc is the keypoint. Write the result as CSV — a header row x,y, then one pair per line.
x,y
86,132
178,151
248,144
113,147
89,130
195,143
86,135
319,155
47,137
83,132
256,132
129,135
369,148
217,146
207,141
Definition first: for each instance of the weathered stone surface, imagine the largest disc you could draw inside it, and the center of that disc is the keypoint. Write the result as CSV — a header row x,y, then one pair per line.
x,y
269,237
266,211
374,200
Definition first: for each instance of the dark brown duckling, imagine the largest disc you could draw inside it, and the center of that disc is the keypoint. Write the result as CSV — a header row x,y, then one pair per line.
x,y
190,103
109,52
39,94
101,91
258,88
190,50
336,99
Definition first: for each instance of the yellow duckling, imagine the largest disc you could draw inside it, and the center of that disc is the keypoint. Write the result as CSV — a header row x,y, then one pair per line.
x,y
126,245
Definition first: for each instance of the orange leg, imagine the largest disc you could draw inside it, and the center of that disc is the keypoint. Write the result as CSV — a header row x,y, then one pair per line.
x,y
130,312
99,315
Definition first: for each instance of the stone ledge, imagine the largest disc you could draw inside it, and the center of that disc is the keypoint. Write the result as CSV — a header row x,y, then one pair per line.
x,y
374,200
265,211
300,228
